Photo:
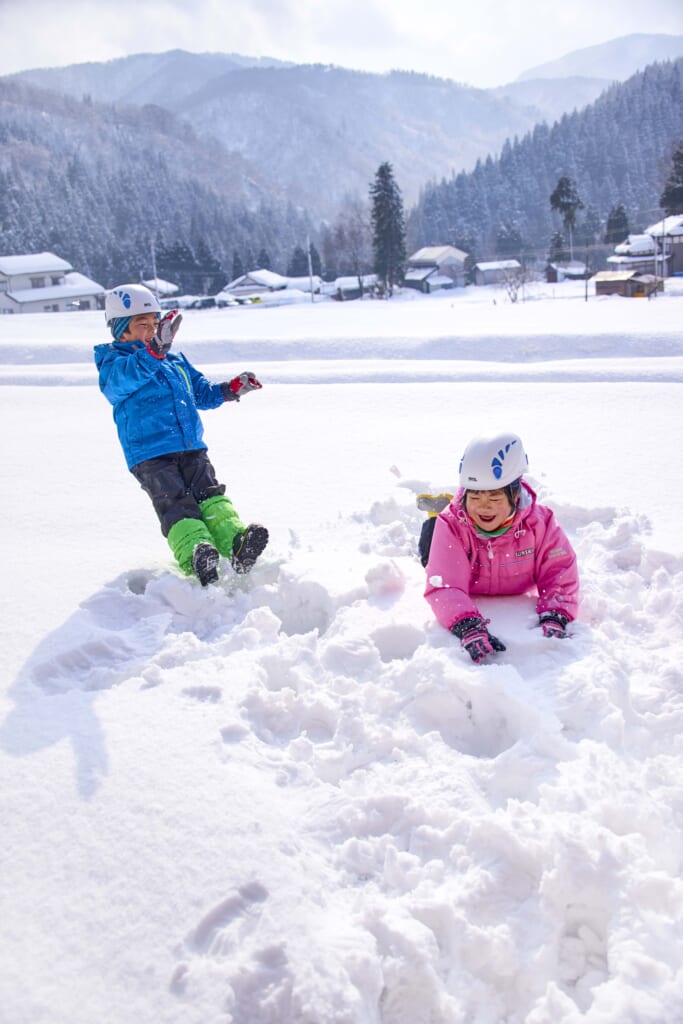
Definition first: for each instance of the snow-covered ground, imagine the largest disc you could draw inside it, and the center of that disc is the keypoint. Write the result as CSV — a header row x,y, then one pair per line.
x,y
291,798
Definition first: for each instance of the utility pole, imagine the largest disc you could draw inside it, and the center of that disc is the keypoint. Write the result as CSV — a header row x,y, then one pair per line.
x,y
310,265
154,269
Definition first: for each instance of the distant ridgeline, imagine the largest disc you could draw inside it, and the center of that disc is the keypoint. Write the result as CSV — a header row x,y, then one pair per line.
x,y
111,187
618,151
102,185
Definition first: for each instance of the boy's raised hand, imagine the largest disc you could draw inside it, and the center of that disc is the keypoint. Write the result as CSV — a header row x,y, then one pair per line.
x,y
167,328
240,385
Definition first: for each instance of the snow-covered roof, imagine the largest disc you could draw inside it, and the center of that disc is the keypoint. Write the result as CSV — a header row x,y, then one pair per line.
x,y
352,282
437,254
418,273
614,275
264,278
500,265
75,286
571,268
272,281
441,281
669,226
303,283
161,287
34,263
638,261
636,245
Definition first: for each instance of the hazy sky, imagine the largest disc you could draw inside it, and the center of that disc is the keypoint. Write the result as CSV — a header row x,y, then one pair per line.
x,y
472,41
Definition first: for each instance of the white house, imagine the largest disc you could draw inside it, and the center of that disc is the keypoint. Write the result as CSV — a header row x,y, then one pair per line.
x,y
343,288
668,237
495,271
636,253
162,289
434,267
44,283
659,250
260,282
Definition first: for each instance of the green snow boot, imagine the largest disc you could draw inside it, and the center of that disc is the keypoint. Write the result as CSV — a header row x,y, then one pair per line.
x,y
184,538
205,564
247,547
222,522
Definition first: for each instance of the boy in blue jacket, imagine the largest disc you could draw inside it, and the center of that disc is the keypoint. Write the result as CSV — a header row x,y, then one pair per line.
x,y
156,395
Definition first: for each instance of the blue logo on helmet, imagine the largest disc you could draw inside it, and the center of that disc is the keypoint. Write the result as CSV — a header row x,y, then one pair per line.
x,y
125,298
497,460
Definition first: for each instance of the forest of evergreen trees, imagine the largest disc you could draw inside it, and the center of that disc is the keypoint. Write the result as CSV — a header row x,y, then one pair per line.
x,y
617,152
117,190
121,191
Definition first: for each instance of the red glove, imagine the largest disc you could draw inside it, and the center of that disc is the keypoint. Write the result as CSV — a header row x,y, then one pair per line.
x,y
240,385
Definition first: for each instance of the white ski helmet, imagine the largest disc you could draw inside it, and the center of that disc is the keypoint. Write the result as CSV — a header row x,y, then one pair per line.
x,y
492,462
129,300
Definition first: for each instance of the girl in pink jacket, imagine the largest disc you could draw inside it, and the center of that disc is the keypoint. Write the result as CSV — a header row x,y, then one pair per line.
x,y
495,539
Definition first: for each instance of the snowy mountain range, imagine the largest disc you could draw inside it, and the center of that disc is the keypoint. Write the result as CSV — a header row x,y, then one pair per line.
x,y
615,60
298,125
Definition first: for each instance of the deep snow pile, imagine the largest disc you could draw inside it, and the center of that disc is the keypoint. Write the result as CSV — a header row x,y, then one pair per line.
x,y
291,798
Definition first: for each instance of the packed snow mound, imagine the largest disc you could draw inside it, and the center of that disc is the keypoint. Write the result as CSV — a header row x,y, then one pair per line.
x,y
498,841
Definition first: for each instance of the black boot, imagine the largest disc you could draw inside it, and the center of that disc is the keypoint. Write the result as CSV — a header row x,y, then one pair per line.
x,y
205,564
247,546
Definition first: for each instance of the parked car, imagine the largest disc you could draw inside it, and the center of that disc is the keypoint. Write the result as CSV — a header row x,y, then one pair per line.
x,y
205,302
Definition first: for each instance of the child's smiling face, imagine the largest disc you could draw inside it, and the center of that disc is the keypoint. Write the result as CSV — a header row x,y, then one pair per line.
x,y
488,509
141,328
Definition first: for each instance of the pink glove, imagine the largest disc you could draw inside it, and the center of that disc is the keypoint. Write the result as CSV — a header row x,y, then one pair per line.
x,y
476,639
554,625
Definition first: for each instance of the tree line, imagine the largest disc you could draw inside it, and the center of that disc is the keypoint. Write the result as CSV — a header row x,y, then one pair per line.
x,y
77,182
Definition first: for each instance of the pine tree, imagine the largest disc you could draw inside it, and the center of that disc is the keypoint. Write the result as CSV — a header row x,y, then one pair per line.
x,y
671,199
617,229
388,228
264,261
316,264
557,252
298,265
237,266
210,275
565,200
509,242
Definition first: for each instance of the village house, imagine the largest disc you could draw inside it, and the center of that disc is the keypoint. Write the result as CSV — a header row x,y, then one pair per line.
x,y
573,270
263,282
44,283
345,288
658,250
636,253
435,267
628,283
495,271
667,235
162,289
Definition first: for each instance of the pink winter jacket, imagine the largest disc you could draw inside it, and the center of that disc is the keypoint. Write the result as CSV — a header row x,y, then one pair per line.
x,y
533,554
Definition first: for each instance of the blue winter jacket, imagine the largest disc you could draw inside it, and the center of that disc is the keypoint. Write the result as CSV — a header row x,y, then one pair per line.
x,y
155,400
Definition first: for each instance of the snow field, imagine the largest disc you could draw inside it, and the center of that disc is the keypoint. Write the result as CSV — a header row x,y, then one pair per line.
x,y
291,798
